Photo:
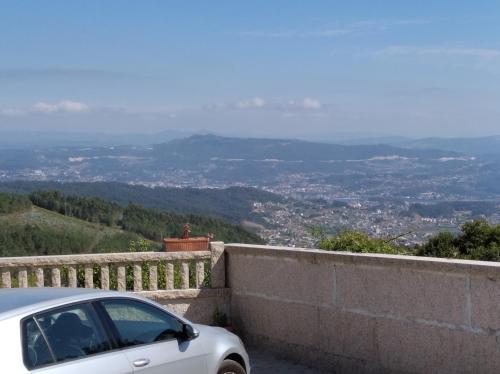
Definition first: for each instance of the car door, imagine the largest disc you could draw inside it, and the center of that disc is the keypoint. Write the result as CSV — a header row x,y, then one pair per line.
x,y
152,338
70,340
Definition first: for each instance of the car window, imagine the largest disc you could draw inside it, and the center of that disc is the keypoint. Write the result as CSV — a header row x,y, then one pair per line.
x,y
73,332
36,350
140,323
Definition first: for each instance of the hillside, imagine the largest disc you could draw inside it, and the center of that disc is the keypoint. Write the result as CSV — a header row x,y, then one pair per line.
x,y
53,223
202,147
232,204
449,208
38,231
488,145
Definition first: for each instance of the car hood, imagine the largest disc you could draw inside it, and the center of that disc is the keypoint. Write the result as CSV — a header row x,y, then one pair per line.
x,y
212,330
213,333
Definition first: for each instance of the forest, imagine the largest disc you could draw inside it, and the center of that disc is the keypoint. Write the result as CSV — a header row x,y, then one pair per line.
x,y
88,224
233,204
10,203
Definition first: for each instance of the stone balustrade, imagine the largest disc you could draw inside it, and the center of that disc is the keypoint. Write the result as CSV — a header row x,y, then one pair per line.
x,y
191,283
54,271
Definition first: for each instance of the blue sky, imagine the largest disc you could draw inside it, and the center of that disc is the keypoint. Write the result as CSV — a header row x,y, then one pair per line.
x,y
309,69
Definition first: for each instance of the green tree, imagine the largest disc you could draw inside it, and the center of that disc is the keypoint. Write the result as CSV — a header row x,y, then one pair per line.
x,y
477,240
359,242
11,203
441,245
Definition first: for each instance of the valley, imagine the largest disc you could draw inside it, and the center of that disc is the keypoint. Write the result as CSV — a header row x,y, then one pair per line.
x,y
280,189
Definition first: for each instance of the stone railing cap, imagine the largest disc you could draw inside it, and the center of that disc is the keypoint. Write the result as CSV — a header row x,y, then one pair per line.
x,y
101,258
375,259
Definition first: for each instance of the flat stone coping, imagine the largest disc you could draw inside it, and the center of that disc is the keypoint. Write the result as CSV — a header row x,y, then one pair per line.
x,y
318,256
102,258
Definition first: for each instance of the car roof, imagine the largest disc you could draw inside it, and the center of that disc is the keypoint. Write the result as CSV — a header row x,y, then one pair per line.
x,y
15,301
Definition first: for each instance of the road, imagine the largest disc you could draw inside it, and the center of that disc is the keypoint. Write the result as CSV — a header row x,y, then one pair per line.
x,y
265,363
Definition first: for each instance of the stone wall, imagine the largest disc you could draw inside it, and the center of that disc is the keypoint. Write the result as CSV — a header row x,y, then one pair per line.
x,y
355,313
198,306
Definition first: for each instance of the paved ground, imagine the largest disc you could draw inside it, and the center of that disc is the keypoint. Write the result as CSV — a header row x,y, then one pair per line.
x,y
265,363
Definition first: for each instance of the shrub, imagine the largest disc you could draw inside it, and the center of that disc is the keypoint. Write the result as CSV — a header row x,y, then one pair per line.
x,y
359,242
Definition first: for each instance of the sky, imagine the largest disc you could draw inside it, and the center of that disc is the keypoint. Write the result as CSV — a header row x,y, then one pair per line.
x,y
306,69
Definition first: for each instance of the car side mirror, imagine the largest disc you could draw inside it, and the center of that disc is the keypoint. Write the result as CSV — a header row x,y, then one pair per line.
x,y
189,332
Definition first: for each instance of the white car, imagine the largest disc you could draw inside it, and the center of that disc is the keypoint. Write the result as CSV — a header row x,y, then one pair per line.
x,y
65,330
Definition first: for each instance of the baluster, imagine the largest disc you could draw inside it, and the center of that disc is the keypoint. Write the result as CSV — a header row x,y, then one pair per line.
x,y
217,265
22,276
72,276
40,277
153,277
137,277
121,281
105,277
89,276
200,273
6,279
56,277
184,275
170,276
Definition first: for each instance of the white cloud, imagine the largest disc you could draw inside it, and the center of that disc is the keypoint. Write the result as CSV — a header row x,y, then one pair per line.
x,y
306,103
326,33
384,24
12,112
215,107
309,103
437,50
61,106
409,22
340,29
269,34
44,108
256,102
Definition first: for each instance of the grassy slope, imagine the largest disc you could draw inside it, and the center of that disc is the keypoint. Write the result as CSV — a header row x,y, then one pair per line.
x,y
85,236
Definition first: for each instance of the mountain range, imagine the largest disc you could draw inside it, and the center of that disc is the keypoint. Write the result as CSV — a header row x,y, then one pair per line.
x,y
280,165
489,145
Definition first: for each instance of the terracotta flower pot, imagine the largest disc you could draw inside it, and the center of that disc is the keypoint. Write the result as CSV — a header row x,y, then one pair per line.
x,y
186,245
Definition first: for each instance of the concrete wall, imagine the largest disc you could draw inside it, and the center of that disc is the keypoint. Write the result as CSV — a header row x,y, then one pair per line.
x,y
353,313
